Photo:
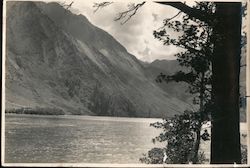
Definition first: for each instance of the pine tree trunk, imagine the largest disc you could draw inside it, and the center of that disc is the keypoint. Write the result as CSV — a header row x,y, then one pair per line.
x,y
225,140
198,132
196,146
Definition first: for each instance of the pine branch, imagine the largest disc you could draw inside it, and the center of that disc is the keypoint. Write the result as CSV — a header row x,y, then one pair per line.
x,y
68,6
192,12
101,5
126,15
169,19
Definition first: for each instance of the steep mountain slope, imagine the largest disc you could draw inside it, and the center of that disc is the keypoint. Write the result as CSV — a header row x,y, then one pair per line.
x,y
57,59
169,67
180,90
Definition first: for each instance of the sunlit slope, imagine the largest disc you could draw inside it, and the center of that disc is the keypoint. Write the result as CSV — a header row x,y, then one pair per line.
x,y
58,59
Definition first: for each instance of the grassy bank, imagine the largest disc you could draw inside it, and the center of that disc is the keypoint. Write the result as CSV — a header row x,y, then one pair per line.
x,y
36,110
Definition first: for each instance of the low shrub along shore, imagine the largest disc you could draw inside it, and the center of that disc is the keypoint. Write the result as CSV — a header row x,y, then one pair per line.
x,y
37,111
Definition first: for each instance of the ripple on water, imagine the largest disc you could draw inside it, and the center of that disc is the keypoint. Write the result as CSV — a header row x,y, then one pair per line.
x,y
77,139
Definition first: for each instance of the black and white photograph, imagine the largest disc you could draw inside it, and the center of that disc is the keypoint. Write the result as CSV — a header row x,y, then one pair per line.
x,y
98,83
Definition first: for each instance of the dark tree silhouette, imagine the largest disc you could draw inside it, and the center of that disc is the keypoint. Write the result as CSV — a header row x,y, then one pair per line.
x,y
101,5
225,142
226,38
195,39
178,134
126,15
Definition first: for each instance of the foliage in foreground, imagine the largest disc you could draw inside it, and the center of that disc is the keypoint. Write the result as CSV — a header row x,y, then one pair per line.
x,y
244,154
179,136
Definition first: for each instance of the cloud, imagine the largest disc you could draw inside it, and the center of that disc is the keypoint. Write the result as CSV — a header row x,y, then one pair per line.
x,y
137,34
146,52
155,16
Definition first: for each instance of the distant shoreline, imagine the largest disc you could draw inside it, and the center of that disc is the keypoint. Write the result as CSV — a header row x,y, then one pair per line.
x,y
62,113
57,112
32,113
35,111
88,117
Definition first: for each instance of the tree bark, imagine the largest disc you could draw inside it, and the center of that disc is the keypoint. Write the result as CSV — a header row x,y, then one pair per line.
x,y
197,146
198,132
192,12
225,139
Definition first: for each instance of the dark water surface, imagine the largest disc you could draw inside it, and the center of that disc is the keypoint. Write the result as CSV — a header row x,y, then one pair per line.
x,y
76,139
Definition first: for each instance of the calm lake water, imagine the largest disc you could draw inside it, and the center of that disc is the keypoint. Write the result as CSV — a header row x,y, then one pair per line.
x,y
77,139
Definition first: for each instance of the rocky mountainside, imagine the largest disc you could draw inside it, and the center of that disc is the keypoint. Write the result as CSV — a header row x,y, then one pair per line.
x,y
58,59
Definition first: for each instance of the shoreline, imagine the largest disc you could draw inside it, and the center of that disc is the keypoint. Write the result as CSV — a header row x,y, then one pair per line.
x,y
89,117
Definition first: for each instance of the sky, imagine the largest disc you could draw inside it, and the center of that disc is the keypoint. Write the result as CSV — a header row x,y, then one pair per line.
x,y
136,35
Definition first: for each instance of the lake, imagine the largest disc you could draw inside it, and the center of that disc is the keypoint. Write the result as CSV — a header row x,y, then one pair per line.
x,y
77,139
83,139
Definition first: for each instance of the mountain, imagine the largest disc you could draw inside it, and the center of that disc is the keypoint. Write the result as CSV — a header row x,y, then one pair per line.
x,y
180,90
56,59
169,67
